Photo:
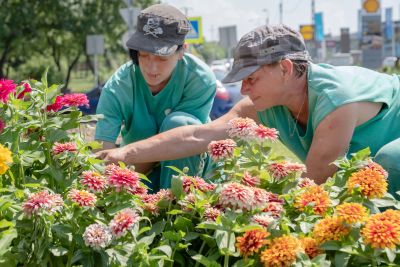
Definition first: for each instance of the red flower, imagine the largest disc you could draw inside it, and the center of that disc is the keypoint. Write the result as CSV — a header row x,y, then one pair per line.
x,y
280,170
94,181
222,149
75,100
27,89
249,180
57,105
124,179
252,241
196,183
6,87
123,221
262,219
60,148
262,133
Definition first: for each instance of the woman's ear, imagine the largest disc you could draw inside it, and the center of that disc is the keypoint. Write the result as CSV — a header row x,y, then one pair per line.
x,y
286,67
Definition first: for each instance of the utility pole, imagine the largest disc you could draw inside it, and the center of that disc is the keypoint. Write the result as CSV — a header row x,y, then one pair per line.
x,y
266,16
313,12
281,11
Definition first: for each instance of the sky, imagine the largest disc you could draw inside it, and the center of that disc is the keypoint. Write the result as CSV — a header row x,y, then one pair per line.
x,y
248,14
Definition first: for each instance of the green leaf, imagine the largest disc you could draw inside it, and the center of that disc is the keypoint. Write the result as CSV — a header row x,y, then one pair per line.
x,y
244,263
225,241
183,224
391,254
58,251
165,249
175,212
6,237
177,186
147,239
341,259
173,236
5,224
206,262
331,245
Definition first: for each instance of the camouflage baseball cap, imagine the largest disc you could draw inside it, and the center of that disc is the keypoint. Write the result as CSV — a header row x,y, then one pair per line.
x,y
160,29
265,45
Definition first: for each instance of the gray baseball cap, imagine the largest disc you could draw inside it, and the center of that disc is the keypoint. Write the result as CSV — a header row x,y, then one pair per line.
x,y
265,45
160,29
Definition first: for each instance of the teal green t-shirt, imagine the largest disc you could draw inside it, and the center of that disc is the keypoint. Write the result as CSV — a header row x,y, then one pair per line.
x,y
330,87
127,101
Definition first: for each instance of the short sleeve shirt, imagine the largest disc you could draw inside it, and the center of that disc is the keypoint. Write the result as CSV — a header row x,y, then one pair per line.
x,y
127,101
330,87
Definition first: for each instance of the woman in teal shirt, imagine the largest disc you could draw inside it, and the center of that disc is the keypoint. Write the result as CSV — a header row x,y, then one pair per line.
x,y
162,88
322,112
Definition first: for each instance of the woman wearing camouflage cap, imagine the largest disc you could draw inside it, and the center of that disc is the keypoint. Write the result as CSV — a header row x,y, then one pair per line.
x,y
322,112
162,88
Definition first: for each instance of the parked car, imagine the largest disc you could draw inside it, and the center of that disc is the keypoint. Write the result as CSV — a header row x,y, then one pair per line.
x,y
389,62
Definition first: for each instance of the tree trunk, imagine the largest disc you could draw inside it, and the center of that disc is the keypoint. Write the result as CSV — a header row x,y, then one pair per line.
x,y
4,56
70,67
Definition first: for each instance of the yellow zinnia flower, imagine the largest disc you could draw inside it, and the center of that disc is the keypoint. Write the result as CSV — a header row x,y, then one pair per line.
x,y
330,228
372,182
310,246
282,251
5,159
251,241
351,212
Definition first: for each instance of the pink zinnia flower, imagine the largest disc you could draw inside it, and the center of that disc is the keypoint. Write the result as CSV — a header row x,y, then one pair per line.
x,y
165,194
261,197
188,202
262,219
124,179
94,181
265,133
211,214
42,201
196,183
63,147
75,100
237,196
82,197
222,149
57,105
304,182
275,209
2,126
242,128
27,89
110,168
280,170
249,180
123,222
376,167
6,88
97,236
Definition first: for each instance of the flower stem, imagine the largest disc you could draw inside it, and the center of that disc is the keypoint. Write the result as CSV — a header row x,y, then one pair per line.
x,y
226,259
200,251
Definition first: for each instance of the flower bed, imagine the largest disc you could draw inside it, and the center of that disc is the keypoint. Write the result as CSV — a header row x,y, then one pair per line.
x,y
60,206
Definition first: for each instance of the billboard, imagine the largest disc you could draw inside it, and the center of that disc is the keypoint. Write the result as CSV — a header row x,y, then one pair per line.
x,y
307,31
195,36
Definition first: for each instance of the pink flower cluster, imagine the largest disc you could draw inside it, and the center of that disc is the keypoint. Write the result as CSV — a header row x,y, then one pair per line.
x,y
97,236
250,180
223,149
262,219
94,181
68,100
82,197
238,196
124,179
190,183
42,201
211,214
150,201
247,129
6,88
63,147
122,222
280,170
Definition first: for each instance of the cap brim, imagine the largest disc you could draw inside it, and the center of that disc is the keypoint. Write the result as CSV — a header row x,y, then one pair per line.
x,y
141,42
238,74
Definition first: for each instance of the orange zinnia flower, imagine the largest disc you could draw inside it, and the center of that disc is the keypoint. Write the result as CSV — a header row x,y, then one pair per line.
x,y
330,228
351,212
251,241
372,182
313,196
382,230
310,246
282,251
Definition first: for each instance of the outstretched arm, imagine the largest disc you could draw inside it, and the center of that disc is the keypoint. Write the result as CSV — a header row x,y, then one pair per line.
x,y
179,142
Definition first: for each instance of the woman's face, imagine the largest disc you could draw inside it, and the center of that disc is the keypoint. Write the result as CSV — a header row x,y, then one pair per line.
x,y
264,86
156,69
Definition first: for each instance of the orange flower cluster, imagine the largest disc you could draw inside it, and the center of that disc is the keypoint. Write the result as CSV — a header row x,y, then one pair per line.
x,y
282,251
310,246
372,182
252,241
382,230
330,228
313,196
352,212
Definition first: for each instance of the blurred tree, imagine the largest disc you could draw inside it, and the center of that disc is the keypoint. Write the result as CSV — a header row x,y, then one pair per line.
x,y
211,51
